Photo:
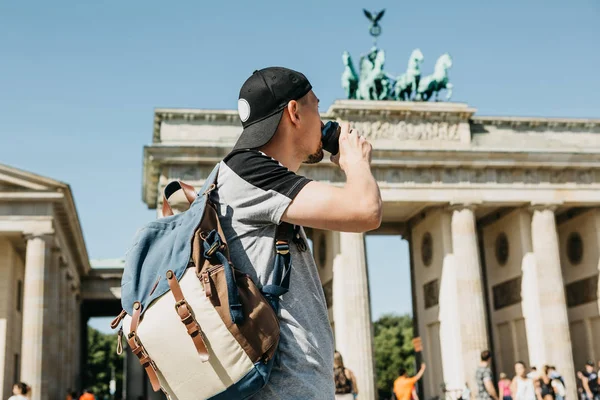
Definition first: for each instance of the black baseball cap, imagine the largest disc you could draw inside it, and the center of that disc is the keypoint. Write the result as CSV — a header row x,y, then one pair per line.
x,y
262,101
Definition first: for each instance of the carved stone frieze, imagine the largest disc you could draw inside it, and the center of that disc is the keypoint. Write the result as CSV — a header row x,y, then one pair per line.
x,y
408,129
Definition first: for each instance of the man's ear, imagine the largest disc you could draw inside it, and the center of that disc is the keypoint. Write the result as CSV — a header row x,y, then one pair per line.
x,y
293,111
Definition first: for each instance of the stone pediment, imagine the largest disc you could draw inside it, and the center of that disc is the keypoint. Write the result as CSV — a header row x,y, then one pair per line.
x,y
16,180
25,195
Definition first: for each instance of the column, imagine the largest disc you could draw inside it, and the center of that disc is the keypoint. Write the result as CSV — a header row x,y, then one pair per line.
x,y
352,310
70,335
52,325
7,314
135,382
471,315
78,378
34,308
62,359
553,342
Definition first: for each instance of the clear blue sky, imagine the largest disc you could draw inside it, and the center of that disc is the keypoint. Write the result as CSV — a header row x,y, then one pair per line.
x,y
79,81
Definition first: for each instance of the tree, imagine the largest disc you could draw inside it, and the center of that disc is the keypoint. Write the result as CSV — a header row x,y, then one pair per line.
x,y
393,350
102,360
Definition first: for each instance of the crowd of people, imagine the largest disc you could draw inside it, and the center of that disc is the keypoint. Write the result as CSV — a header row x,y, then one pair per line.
x,y
526,384
531,384
22,391
346,387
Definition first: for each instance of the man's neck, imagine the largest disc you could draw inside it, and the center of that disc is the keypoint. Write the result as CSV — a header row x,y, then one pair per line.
x,y
282,153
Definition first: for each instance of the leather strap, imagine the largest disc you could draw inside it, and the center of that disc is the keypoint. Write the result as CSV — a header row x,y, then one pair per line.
x,y
115,322
190,195
184,312
138,349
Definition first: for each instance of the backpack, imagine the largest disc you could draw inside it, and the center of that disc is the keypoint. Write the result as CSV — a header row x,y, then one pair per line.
x,y
200,328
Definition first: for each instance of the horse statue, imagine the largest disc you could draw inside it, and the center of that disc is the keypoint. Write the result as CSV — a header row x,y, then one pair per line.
x,y
366,67
408,82
437,81
374,84
349,77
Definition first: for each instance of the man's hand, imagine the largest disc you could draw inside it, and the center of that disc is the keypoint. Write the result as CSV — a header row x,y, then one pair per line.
x,y
356,207
354,149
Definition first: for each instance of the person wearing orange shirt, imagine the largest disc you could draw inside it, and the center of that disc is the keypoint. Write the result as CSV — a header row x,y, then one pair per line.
x,y
87,395
404,385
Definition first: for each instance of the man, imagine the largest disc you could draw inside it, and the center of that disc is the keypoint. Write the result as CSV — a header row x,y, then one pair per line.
x,y
590,381
485,385
87,395
258,188
404,386
558,383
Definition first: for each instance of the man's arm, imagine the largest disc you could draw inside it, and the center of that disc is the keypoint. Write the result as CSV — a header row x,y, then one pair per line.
x,y
419,374
489,386
415,396
585,383
356,207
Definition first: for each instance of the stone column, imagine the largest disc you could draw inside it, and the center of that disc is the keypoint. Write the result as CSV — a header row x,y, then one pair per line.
x,y
470,296
52,324
62,326
70,336
78,379
553,342
352,310
34,308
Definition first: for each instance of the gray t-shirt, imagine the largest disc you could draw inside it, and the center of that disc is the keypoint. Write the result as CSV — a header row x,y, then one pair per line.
x,y
253,191
481,375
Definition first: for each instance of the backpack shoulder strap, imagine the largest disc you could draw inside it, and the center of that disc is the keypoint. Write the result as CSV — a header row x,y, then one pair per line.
x,y
282,267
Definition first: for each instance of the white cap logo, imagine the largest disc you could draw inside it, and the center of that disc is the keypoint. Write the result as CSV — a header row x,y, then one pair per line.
x,y
243,109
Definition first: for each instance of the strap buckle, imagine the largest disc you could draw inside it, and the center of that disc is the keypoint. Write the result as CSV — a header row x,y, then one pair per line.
x,y
282,247
180,303
215,246
134,336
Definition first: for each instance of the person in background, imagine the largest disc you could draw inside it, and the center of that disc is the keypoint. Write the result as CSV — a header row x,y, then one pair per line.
x,y
522,387
404,385
87,395
20,390
533,373
466,393
544,387
504,387
589,380
346,387
558,383
483,376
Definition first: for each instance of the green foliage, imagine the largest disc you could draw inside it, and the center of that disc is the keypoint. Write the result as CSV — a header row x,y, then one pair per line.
x,y
393,350
102,359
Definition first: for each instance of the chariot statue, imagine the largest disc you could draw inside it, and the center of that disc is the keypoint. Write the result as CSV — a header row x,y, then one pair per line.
x,y
407,83
372,83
